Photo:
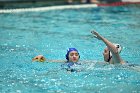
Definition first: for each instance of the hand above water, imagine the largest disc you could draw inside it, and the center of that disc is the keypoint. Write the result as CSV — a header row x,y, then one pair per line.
x,y
39,58
96,35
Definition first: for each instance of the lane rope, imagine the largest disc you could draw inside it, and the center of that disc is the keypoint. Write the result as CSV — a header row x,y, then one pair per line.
x,y
47,8
118,3
63,7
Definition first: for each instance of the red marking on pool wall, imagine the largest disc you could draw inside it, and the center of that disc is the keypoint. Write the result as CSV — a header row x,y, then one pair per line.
x,y
118,3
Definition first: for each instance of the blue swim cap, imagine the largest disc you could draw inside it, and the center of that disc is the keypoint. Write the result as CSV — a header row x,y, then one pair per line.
x,y
69,50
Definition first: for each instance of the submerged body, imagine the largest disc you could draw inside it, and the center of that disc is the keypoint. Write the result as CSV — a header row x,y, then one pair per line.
x,y
72,58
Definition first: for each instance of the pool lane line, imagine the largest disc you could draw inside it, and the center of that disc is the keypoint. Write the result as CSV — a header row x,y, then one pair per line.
x,y
63,7
47,8
118,3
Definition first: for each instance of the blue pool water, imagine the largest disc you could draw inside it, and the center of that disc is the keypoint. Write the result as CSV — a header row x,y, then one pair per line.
x,y
24,35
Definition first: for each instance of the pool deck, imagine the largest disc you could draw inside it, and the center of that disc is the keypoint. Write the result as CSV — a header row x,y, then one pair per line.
x,y
6,4
14,4
28,3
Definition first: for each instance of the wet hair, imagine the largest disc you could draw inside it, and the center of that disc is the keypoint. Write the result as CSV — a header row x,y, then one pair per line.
x,y
69,50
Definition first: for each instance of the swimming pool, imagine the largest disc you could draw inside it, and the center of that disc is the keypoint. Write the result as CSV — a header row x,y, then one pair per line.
x,y
24,35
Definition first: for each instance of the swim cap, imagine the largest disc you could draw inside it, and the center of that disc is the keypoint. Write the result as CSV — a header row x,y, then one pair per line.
x,y
69,50
118,46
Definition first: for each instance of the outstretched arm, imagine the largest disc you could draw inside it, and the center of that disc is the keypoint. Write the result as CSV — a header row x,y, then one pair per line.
x,y
115,55
107,42
41,58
